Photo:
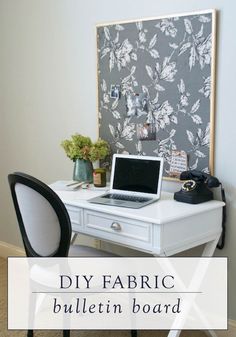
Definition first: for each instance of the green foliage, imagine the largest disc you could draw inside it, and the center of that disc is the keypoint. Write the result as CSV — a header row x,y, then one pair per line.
x,y
99,150
81,147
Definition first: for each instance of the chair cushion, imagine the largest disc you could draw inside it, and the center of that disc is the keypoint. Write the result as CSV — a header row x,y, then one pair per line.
x,y
85,251
39,218
45,276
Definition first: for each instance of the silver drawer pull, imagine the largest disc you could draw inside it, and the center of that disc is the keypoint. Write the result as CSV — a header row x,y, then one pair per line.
x,y
116,226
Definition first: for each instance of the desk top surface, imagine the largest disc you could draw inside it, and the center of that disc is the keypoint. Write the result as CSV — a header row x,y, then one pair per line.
x,y
164,210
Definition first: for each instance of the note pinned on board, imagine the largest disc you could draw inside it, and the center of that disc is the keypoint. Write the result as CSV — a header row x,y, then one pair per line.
x,y
178,164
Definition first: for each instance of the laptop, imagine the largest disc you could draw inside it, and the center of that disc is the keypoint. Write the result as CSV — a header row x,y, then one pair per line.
x,y
135,181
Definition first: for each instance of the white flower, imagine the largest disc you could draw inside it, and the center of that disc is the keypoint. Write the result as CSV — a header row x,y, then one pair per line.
x,y
184,100
123,54
167,27
106,98
168,72
163,115
204,52
142,37
206,89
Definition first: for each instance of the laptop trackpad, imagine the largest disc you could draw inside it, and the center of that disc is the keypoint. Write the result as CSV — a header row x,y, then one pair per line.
x,y
114,202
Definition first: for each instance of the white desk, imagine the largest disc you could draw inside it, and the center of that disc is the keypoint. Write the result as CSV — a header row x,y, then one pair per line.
x,y
162,229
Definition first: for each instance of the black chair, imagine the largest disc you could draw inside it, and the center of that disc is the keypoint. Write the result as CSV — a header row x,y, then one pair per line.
x,y
45,224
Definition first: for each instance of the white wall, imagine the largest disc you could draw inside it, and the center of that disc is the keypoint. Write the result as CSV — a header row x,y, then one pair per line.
x,y
48,91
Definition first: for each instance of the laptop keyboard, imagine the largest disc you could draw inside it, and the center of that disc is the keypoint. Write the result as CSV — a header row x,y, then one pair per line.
x,y
126,197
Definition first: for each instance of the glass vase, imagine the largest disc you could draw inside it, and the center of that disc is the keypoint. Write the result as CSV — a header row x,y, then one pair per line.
x,y
83,171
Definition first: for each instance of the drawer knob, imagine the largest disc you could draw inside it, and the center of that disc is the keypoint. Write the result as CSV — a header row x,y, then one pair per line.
x,y
116,226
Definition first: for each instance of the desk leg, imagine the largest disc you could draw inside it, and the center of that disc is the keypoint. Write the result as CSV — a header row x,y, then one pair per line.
x,y
174,333
74,236
208,252
210,333
210,247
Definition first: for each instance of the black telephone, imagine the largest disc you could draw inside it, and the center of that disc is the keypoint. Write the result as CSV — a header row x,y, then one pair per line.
x,y
196,189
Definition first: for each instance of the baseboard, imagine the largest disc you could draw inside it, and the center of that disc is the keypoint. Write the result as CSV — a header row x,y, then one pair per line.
x,y
7,249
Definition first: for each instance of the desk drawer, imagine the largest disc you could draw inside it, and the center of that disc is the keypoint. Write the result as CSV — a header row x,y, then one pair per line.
x,y
76,216
117,229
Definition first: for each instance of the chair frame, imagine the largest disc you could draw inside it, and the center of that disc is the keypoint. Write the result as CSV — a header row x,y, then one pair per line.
x,y
54,201
63,218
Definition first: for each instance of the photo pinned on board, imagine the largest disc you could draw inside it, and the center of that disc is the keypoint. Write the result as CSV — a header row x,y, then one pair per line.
x,y
115,91
136,104
146,131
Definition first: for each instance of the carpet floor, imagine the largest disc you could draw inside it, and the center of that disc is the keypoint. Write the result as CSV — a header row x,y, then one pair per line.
x,y
4,332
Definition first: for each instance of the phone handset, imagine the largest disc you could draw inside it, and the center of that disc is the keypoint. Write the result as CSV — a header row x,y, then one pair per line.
x,y
200,177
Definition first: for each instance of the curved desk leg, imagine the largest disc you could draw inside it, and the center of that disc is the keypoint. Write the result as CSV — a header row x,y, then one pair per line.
x,y
74,236
208,251
210,333
210,247
174,333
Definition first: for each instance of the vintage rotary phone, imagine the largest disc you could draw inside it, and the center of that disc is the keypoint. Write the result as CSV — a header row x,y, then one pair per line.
x,y
196,189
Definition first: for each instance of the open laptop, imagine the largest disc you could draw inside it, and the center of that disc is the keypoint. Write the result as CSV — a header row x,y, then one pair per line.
x,y
135,181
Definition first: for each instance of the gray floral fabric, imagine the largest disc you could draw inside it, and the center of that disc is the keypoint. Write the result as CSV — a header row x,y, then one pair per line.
x,y
154,87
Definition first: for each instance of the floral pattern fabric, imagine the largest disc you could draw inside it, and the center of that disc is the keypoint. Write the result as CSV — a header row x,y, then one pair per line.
x,y
162,69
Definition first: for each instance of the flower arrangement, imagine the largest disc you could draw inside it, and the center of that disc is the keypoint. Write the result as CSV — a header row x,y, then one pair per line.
x,y
81,147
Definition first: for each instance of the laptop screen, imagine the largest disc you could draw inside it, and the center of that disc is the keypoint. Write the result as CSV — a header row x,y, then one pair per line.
x,y
137,174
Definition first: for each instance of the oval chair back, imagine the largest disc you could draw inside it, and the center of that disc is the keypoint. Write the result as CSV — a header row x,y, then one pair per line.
x,y
42,217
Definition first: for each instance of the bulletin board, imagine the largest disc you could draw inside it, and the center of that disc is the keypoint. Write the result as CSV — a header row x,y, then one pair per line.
x,y
156,89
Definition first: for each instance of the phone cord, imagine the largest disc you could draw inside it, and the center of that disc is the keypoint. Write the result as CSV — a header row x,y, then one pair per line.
x,y
221,244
